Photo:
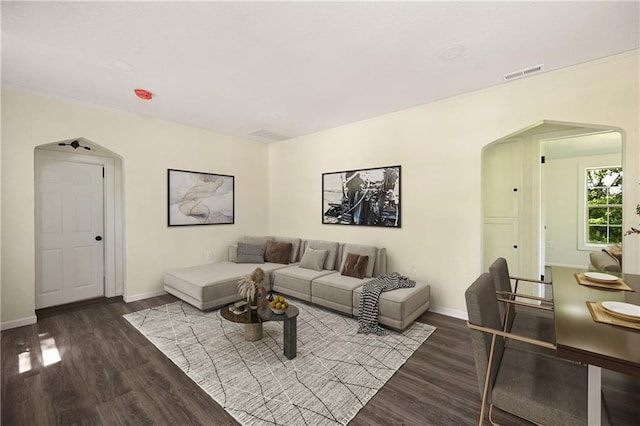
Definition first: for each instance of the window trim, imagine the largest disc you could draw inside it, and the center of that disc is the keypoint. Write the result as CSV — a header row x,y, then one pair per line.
x,y
583,208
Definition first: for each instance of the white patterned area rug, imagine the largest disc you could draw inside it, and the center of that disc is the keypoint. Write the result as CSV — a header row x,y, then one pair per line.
x,y
335,373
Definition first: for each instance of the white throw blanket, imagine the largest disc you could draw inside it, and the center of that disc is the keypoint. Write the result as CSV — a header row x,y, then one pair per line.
x,y
368,309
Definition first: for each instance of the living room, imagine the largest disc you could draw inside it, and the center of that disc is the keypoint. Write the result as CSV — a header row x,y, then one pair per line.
x,y
278,185
428,250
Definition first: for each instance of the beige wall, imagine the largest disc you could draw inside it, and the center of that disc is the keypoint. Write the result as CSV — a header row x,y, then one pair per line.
x,y
439,147
148,148
563,201
278,186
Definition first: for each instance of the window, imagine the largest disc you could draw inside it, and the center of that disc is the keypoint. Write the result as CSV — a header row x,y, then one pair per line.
x,y
604,205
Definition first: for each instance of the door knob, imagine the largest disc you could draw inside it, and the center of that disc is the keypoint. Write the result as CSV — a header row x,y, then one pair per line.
x,y
98,238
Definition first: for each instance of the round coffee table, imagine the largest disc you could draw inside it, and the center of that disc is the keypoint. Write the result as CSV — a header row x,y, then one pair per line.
x,y
251,320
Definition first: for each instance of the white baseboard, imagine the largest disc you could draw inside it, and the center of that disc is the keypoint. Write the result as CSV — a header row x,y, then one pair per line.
x,y
19,322
141,296
450,312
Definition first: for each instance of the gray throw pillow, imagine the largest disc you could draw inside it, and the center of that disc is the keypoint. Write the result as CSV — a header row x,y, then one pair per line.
x,y
313,259
250,253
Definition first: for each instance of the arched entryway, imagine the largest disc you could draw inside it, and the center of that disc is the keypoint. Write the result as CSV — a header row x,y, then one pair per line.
x,y
516,210
79,225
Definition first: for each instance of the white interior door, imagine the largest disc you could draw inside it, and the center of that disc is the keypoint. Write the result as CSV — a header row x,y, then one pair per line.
x,y
501,240
501,199
69,232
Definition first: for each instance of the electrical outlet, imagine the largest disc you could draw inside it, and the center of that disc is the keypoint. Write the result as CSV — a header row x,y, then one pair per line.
x,y
210,255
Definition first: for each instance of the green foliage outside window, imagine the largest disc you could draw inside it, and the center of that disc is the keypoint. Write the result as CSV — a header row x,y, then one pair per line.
x,y
604,205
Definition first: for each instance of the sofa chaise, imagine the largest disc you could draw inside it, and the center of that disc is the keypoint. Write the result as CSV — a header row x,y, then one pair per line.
x,y
315,271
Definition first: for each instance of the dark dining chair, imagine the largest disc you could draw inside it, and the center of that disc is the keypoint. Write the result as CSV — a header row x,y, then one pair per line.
x,y
532,317
536,387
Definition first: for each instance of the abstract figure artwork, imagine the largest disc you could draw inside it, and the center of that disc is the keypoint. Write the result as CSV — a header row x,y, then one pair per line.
x,y
200,198
369,197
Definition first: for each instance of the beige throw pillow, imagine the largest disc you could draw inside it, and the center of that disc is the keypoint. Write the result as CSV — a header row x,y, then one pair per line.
x,y
313,259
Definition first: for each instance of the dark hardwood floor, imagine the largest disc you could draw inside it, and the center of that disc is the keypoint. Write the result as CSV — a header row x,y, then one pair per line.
x,y
108,374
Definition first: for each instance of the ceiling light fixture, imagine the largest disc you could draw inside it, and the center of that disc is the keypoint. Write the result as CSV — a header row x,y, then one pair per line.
x,y
75,145
143,94
452,52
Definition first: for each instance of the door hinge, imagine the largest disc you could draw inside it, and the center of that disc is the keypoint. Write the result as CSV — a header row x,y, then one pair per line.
x,y
542,159
103,172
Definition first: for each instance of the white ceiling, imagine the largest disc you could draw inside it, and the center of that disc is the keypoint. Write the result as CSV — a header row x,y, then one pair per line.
x,y
294,68
602,143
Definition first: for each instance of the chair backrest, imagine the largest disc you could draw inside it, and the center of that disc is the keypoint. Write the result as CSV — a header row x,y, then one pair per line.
x,y
500,273
482,309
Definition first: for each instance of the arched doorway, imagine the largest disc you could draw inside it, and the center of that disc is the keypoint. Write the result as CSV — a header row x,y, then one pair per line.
x,y
515,193
79,250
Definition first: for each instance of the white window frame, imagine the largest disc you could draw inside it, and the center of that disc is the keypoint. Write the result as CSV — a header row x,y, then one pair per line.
x,y
583,208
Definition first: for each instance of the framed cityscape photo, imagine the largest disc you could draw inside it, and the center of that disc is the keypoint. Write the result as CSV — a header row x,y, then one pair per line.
x,y
365,197
196,198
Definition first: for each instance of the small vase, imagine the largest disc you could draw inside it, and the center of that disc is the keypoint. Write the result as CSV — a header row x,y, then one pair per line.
x,y
254,303
261,296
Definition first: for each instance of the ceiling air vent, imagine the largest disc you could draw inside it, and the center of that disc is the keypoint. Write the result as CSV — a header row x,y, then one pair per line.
x,y
271,136
523,73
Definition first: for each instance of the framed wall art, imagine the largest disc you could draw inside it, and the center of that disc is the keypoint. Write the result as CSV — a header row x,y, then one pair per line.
x,y
196,198
366,197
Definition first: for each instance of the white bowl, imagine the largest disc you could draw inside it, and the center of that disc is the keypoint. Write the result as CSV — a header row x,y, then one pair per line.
x,y
277,311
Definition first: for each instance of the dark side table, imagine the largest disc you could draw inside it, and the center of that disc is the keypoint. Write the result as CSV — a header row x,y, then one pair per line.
x,y
289,319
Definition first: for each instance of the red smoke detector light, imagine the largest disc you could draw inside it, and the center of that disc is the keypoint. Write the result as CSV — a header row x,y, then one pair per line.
x,y
143,94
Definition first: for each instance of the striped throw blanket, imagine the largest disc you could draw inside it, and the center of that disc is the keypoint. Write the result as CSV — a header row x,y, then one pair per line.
x,y
368,309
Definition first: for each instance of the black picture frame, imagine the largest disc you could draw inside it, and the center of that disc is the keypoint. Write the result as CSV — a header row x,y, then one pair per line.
x,y
197,198
362,197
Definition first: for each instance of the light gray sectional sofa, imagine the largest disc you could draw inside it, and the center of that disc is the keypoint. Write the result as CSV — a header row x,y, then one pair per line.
x,y
312,272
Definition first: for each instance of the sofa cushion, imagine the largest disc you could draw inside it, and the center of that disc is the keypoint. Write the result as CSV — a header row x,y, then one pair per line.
x,y
355,265
296,244
278,252
364,250
400,307
332,251
313,259
296,281
335,291
250,253
212,284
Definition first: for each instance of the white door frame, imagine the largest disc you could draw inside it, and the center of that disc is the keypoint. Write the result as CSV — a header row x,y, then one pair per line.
x,y
110,249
